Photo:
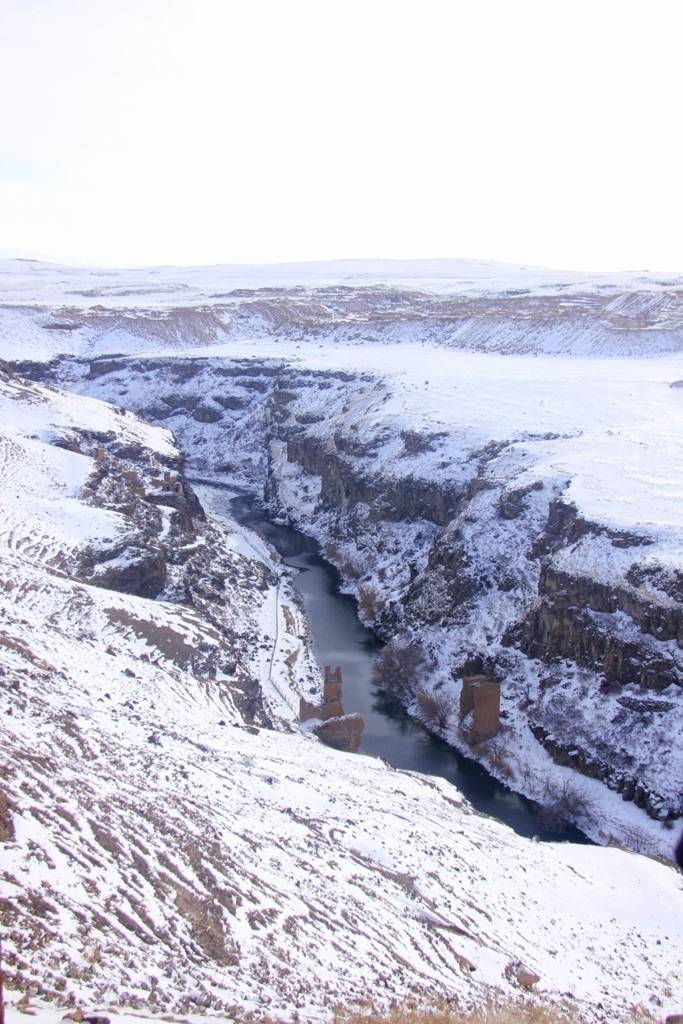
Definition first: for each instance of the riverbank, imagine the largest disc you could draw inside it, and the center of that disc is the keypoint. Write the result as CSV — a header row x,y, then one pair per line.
x,y
340,638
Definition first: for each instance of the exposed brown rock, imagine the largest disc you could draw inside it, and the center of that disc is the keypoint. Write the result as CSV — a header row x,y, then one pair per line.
x,y
521,975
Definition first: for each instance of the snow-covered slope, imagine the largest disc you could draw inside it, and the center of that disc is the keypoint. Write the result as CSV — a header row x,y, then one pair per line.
x,y
502,444
87,520
27,281
47,310
548,557
514,513
227,871
156,853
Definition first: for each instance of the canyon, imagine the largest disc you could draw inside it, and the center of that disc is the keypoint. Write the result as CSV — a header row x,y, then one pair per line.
x,y
474,557
495,474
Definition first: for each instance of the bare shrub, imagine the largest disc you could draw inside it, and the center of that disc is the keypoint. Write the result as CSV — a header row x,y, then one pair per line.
x,y
634,837
293,656
565,803
347,564
436,707
495,1010
498,761
415,443
399,668
369,601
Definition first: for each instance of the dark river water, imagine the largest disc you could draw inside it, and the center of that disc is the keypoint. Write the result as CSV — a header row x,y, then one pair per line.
x,y
340,638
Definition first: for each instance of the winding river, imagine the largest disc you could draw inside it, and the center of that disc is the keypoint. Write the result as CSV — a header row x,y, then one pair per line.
x,y
339,638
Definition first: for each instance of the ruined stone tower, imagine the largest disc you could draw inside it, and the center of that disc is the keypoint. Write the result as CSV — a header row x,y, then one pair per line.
x,y
336,729
481,696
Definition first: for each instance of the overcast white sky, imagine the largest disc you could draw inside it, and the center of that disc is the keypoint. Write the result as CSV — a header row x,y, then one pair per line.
x,y
203,131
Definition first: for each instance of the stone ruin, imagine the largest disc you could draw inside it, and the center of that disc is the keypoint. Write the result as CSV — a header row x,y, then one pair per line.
x,y
344,733
331,706
480,697
133,478
336,729
332,683
170,483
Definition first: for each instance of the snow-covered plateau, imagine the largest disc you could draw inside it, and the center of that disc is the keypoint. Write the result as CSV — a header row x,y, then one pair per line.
x,y
492,458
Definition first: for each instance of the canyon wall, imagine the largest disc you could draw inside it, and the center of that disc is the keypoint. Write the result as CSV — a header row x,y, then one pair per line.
x,y
459,552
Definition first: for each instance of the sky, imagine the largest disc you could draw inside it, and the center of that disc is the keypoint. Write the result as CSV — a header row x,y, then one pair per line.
x,y
249,131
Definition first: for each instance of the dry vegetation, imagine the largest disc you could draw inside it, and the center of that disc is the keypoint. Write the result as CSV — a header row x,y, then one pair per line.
x,y
499,762
436,708
346,563
399,668
493,1012
564,803
370,602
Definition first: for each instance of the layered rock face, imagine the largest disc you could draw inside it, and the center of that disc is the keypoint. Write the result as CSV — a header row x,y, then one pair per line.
x,y
561,315
475,581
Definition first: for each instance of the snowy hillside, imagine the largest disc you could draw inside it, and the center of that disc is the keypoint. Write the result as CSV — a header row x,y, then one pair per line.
x,y
170,840
27,281
519,512
157,853
47,310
